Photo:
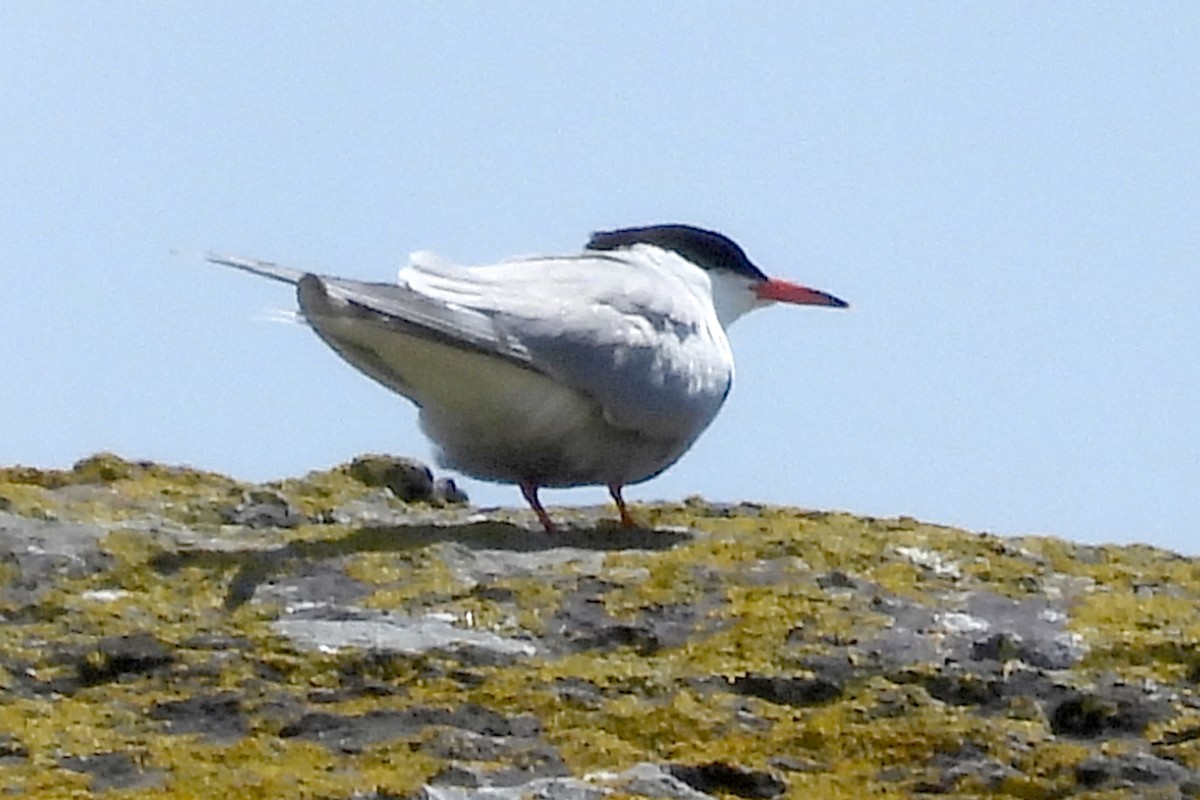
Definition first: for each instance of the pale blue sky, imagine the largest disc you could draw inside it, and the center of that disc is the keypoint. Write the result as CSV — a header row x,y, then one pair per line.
x,y
1008,194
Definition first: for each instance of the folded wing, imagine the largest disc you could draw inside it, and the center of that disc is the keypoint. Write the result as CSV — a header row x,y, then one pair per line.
x,y
652,356
596,323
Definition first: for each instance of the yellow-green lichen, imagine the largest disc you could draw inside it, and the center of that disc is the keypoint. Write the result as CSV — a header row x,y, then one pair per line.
x,y
750,581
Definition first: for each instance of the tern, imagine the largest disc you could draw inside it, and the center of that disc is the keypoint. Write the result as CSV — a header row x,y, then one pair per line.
x,y
597,368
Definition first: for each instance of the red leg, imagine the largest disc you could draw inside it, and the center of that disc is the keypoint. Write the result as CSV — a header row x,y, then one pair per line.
x,y
627,521
530,490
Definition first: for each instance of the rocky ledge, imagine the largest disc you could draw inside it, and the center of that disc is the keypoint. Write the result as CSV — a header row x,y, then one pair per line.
x,y
362,633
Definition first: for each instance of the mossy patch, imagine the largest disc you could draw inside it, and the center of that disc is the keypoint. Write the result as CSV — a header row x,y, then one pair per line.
x,y
181,606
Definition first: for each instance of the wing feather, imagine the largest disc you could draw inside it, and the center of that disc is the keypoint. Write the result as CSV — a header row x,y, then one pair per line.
x,y
643,345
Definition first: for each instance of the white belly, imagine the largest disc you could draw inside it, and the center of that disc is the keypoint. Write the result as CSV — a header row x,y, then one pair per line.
x,y
495,420
517,425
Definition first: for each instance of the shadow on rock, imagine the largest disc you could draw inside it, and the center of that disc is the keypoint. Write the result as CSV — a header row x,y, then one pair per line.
x,y
253,567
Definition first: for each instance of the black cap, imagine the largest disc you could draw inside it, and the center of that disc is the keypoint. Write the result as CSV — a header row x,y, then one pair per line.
x,y
705,249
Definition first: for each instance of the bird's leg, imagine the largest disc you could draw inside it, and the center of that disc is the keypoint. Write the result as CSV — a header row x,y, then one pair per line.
x,y
614,489
530,490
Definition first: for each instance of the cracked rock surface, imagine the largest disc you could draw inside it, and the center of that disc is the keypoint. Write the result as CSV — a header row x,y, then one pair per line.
x,y
362,633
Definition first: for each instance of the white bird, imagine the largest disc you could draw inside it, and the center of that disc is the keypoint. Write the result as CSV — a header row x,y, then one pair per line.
x,y
600,368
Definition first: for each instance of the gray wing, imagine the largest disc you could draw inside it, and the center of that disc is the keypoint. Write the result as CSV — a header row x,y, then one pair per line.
x,y
643,355
400,309
645,351
394,307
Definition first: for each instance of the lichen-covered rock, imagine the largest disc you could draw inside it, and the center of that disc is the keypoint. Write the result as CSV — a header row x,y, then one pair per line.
x,y
407,479
354,633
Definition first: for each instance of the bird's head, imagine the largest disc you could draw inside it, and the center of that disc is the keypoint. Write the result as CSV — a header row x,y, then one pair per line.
x,y
737,285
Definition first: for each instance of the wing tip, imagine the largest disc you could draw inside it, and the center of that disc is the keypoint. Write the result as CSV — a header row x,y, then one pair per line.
x,y
266,269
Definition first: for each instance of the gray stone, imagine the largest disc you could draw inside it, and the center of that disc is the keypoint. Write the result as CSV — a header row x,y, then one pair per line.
x,y
219,717
351,734
408,479
652,780
788,690
42,551
540,789
1133,769
445,490
114,771
380,630
263,508
718,777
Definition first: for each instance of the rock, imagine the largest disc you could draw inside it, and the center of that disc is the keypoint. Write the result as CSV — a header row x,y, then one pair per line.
x,y
351,734
542,789
528,759
12,752
1135,769
103,468
720,778
1105,711
792,691
445,490
114,771
122,657
218,717
654,780
311,629
263,509
409,479
583,623
166,629
37,553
